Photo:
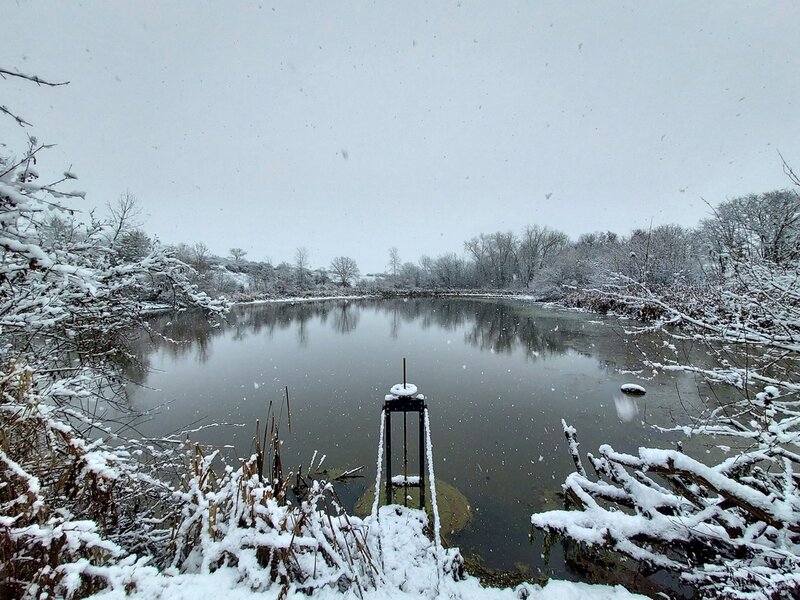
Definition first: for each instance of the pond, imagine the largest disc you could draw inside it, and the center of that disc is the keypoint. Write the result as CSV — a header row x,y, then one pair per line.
x,y
499,376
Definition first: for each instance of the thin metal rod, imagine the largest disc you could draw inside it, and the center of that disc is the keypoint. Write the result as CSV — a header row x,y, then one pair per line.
x,y
405,461
404,372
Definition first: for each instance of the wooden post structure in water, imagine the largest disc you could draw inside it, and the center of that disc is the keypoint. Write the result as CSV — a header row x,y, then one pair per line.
x,y
403,398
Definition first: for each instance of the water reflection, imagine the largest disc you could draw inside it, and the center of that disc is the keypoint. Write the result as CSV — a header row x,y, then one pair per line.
x,y
499,327
627,409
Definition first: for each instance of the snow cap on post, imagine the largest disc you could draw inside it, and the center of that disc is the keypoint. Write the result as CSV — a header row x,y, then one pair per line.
x,y
399,390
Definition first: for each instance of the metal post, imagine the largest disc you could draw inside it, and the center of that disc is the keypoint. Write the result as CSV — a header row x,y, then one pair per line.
x,y
405,461
388,438
400,402
422,458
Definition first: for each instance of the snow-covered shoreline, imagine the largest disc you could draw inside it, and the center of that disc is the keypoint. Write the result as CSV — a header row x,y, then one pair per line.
x,y
225,584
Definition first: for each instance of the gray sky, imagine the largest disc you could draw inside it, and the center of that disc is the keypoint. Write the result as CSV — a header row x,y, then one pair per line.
x,y
352,127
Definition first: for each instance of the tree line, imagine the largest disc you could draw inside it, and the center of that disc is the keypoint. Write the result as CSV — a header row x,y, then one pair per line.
x,y
538,259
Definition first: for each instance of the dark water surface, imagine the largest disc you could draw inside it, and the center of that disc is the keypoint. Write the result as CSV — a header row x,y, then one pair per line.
x,y
499,376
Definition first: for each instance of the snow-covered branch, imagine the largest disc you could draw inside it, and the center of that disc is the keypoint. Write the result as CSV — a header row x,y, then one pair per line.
x,y
710,524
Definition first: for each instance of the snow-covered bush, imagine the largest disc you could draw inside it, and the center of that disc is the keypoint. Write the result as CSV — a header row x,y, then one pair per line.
x,y
241,519
75,496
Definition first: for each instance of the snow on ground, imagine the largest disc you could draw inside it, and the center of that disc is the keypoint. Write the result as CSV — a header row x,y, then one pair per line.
x,y
293,299
240,280
411,567
223,585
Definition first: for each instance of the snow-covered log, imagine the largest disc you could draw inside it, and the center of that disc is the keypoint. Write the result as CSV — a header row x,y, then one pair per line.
x,y
709,524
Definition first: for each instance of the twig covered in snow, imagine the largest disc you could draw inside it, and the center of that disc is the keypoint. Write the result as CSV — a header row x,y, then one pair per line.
x,y
379,468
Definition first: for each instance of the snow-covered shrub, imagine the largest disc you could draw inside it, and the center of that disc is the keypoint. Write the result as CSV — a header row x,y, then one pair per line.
x,y
241,519
75,497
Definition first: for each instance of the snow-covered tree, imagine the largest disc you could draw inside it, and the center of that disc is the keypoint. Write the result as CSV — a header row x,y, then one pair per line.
x,y
301,263
754,227
237,254
70,503
345,270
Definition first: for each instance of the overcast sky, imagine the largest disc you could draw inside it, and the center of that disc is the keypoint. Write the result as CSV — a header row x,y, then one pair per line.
x,y
352,127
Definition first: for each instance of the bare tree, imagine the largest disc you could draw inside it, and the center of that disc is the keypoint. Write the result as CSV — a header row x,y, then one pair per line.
x,y
237,254
345,270
449,270
301,266
200,254
478,249
123,214
756,226
538,247
394,261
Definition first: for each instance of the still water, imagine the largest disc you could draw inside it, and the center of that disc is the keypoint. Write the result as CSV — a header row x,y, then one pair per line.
x,y
499,376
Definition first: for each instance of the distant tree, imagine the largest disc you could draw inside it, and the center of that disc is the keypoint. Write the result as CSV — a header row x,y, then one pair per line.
x,y
756,226
61,230
503,257
237,254
538,247
411,274
200,255
123,214
394,261
301,267
133,245
494,257
320,277
478,249
345,270
449,270
659,256
284,277
426,269
183,252
263,275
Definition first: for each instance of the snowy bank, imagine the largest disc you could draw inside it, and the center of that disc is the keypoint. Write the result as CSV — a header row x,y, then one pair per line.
x,y
223,584
408,565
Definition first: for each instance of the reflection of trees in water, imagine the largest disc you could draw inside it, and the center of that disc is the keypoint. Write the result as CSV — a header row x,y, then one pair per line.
x,y
345,318
182,334
490,325
446,314
501,328
495,326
